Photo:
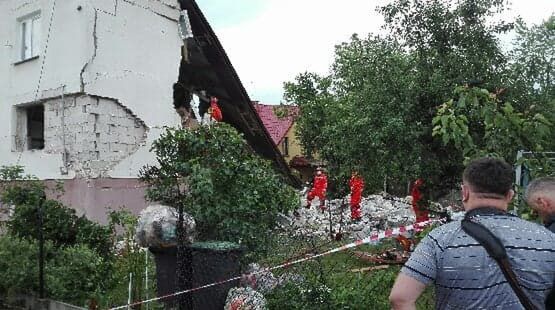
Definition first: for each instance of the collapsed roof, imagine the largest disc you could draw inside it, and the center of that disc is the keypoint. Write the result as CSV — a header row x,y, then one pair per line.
x,y
206,69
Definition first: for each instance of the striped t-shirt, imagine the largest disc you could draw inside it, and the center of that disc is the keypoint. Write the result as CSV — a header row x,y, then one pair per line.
x,y
464,275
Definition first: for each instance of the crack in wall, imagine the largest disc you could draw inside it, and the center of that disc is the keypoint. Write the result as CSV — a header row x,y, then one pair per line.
x,y
95,43
110,13
152,11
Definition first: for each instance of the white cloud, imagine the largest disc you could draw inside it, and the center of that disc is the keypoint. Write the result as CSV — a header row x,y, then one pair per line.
x,y
293,36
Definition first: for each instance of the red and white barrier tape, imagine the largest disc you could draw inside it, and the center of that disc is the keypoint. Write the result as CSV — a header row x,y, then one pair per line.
x,y
372,238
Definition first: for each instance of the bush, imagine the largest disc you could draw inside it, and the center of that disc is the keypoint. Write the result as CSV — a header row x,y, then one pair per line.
x,y
61,225
72,274
233,194
76,274
19,265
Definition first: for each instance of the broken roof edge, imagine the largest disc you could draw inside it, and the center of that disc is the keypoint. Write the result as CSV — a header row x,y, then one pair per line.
x,y
277,158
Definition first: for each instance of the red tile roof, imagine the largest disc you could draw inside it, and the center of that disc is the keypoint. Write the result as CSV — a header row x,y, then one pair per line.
x,y
277,127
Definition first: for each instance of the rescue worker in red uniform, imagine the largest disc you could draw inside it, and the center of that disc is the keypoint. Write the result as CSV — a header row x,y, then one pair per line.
x,y
214,110
356,183
419,203
318,189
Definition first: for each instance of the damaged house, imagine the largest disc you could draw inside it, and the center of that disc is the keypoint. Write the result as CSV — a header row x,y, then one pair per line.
x,y
87,85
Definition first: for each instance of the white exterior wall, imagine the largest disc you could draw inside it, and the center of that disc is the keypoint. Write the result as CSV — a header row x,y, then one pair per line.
x,y
126,52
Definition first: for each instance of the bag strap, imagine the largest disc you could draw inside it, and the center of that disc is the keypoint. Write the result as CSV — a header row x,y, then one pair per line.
x,y
497,251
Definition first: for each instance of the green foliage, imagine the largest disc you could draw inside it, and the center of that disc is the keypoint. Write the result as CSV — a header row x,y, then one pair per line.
x,y
73,274
213,174
532,69
478,124
130,259
80,261
375,109
60,224
340,288
19,265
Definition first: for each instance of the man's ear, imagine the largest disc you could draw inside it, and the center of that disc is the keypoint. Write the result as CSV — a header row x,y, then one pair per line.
x,y
465,192
510,194
543,204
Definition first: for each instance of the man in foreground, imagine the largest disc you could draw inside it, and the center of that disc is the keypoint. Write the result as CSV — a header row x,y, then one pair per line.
x,y
540,196
464,275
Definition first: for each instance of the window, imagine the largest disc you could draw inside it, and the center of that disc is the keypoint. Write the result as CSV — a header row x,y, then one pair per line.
x,y
285,146
30,128
30,36
35,128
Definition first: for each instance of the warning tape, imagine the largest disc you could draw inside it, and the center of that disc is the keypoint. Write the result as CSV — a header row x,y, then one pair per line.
x,y
372,238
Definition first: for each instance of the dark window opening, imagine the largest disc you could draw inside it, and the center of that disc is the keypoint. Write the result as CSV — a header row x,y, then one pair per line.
x,y
285,146
35,127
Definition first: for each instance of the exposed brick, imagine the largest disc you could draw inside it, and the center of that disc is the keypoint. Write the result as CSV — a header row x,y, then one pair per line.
x,y
98,133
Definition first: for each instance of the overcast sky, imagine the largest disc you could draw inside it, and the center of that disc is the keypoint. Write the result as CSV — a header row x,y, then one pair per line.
x,y
271,41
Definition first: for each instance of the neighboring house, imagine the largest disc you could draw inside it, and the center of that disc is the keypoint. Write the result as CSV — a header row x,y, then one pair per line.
x,y
279,120
86,86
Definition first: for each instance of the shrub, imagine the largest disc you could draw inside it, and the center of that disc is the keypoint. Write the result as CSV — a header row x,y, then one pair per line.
x,y
72,274
233,194
61,225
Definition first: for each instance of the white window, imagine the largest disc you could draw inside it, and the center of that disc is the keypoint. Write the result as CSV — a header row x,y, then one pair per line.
x,y
30,36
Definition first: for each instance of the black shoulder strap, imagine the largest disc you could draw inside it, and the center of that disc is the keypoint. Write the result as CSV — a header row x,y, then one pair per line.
x,y
496,250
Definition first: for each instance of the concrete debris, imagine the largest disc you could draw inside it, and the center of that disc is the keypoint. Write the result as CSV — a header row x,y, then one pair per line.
x,y
264,281
379,212
244,298
157,224
258,279
288,277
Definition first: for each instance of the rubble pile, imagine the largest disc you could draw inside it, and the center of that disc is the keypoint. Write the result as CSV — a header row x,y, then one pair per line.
x,y
156,227
244,298
379,212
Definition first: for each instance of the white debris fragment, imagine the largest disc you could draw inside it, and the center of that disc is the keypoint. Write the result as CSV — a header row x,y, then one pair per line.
x,y
157,224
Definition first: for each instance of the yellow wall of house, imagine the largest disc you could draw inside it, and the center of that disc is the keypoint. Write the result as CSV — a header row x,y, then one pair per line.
x,y
294,144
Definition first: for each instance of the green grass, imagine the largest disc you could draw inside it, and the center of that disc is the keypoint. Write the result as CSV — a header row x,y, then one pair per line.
x,y
330,283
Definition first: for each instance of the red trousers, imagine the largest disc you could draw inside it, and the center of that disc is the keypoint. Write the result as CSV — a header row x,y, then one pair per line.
x,y
356,197
316,193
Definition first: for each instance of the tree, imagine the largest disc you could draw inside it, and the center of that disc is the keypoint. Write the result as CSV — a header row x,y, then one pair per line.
x,y
357,117
478,124
532,69
212,173
374,111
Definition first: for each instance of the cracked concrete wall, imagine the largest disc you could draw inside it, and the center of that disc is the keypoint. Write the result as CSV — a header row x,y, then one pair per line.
x,y
139,47
127,50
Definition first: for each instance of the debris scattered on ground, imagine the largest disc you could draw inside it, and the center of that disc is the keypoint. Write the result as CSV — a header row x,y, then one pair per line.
x,y
389,257
244,298
259,279
372,268
379,212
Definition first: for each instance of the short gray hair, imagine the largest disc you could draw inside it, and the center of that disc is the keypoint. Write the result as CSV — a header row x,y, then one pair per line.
x,y
545,184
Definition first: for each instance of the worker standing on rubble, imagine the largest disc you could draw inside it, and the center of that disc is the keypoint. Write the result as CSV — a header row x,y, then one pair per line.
x,y
318,189
356,184
419,201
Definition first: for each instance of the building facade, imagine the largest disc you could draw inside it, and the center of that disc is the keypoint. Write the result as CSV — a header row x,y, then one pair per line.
x,y
85,87
280,122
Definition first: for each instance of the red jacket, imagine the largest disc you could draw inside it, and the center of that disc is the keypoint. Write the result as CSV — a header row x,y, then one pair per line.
x,y
320,183
356,184
215,111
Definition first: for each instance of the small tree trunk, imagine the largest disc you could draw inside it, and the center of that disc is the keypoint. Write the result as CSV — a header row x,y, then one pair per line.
x,y
184,265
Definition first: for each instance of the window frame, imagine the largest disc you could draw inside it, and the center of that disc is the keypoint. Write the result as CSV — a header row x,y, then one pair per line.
x,y
285,146
29,32
23,138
